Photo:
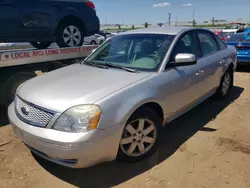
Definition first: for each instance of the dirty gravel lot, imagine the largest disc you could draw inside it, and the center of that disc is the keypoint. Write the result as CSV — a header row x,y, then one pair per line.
x,y
209,147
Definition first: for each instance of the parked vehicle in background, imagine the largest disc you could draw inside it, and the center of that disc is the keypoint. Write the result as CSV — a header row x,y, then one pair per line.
x,y
230,30
94,39
223,36
241,41
114,34
43,22
115,103
247,30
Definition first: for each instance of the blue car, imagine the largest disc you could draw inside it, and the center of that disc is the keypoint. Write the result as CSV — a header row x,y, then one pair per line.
x,y
247,30
42,22
241,42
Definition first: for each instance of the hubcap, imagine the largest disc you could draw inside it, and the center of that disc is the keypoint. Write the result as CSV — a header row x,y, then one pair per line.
x,y
226,84
72,36
138,137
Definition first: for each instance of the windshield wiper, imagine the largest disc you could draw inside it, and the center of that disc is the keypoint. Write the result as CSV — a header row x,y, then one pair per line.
x,y
94,64
121,67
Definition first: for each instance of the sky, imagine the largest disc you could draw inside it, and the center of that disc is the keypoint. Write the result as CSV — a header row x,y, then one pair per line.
x,y
155,11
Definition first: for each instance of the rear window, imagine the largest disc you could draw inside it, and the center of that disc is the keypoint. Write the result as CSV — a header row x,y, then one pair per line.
x,y
242,37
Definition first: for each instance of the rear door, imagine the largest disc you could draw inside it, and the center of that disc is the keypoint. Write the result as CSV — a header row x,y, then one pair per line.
x,y
38,17
212,61
9,20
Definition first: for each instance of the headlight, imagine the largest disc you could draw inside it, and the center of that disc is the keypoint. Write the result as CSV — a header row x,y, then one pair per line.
x,y
78,119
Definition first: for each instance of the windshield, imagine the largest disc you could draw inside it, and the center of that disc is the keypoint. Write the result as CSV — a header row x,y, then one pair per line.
x,y
242,37
142,52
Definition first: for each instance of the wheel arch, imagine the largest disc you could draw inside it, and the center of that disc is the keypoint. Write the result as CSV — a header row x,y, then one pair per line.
x,y
155,107
70,18
150,104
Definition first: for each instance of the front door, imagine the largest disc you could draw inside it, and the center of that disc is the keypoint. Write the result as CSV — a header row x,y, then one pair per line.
x,y
38,18
183,85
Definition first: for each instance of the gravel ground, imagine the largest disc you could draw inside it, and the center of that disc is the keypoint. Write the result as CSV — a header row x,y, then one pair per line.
x,y
207,147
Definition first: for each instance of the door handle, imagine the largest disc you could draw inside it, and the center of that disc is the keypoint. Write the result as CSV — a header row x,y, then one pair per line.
x,y
199,72
222,61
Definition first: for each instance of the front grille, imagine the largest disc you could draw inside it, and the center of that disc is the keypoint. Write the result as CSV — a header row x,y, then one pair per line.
x,y
32,114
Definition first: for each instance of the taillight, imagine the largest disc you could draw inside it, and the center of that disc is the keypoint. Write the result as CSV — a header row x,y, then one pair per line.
x,y
90,4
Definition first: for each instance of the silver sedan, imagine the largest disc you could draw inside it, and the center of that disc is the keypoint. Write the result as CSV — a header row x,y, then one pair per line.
x,y
114,104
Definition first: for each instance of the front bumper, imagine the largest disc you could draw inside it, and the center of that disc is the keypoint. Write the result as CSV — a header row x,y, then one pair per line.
x,y
75,150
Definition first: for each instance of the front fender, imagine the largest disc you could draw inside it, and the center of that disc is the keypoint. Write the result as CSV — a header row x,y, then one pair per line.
x,y
118,108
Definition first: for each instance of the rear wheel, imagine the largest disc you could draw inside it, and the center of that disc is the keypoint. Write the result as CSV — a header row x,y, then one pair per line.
x,y
93,42
226,84
41,45
140,136
70,35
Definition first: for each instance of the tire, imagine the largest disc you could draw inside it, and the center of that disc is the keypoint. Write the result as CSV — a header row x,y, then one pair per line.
x,y
101,41
93,42
41,45
12,84
65,29
131,142
226,84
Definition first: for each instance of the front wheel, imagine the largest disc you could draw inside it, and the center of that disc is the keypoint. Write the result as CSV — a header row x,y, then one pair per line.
x,y
140,136
41,45
70,35
101,41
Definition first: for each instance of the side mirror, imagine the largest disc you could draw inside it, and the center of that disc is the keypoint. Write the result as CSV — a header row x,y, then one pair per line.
x,y
184,59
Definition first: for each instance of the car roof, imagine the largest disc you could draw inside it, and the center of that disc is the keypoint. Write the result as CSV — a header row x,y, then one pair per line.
x,y
159,30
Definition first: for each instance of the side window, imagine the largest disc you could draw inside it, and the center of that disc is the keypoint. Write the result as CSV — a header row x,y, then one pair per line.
x,y
221,44
207,43
186,44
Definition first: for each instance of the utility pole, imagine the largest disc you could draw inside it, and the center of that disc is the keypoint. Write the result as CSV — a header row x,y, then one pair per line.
x,y
169,19
213,21
194,22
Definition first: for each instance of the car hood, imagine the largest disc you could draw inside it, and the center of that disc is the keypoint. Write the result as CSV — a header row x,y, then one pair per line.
x,y
74,85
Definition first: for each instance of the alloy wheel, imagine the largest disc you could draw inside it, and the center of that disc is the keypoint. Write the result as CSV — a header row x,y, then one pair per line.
x,y
226,84
138,137
72,36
